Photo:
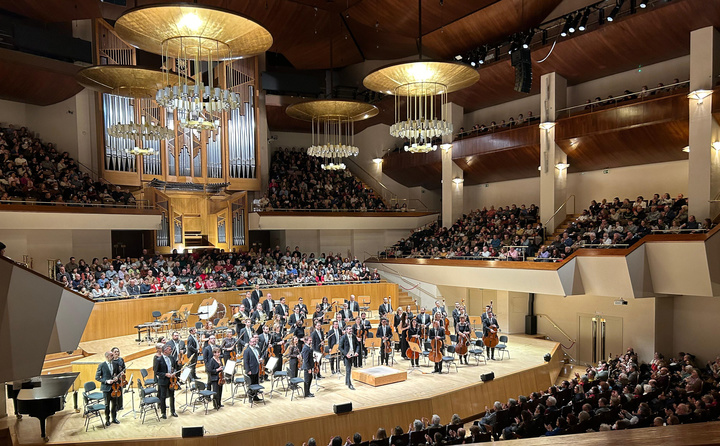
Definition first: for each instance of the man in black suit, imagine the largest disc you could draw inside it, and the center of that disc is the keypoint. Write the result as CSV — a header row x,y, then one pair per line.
x,y
164,367
488,320
385,308
308,365
256,295
248,302
384,331
177,347
423,318
347,314
192,351
120,364
296,316
437,332
207,352
269,306
318,338
282,309
349,349
246,334
333,337
251,363
360,334
353,304
303,307
106,375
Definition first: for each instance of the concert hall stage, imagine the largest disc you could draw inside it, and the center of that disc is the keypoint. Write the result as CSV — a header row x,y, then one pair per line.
x,y
281,420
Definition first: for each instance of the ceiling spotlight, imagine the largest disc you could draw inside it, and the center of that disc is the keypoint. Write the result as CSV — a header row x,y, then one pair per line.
x,y
565,29
458,57
686,149
458,180
528,39
377,160
472,63
584,20
571,24
643,4
562,166
615,10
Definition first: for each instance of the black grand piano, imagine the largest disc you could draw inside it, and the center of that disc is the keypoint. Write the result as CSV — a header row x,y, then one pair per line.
x,y
43,396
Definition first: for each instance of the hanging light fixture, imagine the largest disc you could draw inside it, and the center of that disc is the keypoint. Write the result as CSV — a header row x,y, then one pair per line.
x,y
333,127
194,41
424,85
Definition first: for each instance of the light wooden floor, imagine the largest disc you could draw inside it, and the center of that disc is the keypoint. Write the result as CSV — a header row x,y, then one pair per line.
x,y
67,426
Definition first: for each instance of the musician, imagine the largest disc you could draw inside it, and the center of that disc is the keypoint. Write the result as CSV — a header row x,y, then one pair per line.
x,y
490,325
319,314
208,353
463,330
409,313
192,351
318,343
325,305
413,335
423,318
456,315
176,345
293,352
276,346
229,344
165,367
486,314
384,331
107,374
259,317
346,313
296,317
333,337
121,369
349,349
282,310
248,302
437,332
269,306
340,321
385,308
255,296
299,331
360,333
308,365
240,317
264,340
246,334
251,364
464,314
209,332
438,317
402,334
353,306
439,308
303,307
213,368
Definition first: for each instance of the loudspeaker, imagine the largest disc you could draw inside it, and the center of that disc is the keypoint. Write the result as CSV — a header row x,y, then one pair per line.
x,y
523,78
342,408
520,56
530,325
487,376
195,431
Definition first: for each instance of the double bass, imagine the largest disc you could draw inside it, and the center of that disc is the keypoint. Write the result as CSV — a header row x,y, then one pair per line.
x,y
491,339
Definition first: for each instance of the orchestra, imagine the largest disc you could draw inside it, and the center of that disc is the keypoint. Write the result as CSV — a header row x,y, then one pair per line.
x,y
250,339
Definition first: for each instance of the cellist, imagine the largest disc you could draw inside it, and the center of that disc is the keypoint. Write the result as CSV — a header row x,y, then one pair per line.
x,y
438,333
490,327
463,336
413,335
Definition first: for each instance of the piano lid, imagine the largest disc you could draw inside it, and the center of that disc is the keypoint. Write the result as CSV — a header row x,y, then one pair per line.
x,y
50,386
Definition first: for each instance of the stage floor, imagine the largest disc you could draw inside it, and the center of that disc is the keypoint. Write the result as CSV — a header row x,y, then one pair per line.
x,y
68,426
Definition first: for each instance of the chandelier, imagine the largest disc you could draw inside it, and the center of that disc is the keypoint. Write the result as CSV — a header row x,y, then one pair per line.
x,y
195,41
152,132
333,128
420,89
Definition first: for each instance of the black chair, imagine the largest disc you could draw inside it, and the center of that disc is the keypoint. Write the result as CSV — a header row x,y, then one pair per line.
x,y
92,409
148,403
147,383
200,394
401,440
92,396
418,437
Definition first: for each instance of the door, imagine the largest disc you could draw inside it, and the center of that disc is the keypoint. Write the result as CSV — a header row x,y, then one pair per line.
x,y
598,337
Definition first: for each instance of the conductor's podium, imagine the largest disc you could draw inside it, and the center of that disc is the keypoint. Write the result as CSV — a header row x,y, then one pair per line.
x,y
379,376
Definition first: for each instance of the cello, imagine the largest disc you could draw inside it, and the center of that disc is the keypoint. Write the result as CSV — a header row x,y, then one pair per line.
x,y
461,348
435,351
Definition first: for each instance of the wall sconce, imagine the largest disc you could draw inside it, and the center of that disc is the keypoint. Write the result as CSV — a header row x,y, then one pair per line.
x,y
446,146
547,125
699,95
716,146
377,160
562,166
686,149
458,180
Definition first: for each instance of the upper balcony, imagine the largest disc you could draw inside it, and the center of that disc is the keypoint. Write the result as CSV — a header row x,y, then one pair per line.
x,y
313,219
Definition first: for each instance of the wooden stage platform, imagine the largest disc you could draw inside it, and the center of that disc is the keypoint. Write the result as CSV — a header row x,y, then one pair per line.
x,y
281,420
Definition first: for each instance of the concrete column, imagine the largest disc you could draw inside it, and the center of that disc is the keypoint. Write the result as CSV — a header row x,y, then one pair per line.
x,y
553,181
452,192
704,164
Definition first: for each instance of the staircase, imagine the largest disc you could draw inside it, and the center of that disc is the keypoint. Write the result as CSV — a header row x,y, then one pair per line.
x,y
560,229
61,362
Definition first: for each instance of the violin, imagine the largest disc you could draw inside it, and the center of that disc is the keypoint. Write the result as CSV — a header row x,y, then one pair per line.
x,y
388,346
221,378
233,355
174,385
261,373
116,389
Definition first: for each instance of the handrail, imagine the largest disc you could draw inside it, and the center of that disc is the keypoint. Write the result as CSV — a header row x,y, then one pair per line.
x,y
557,327
415,199
139,204
414,286
558,210
638,94
393,195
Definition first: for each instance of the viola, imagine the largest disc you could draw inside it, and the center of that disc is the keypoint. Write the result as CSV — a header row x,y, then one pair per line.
x,y
388,346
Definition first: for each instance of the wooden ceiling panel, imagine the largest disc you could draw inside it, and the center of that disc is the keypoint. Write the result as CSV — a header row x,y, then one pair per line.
x,y
414,169
54,12
501,165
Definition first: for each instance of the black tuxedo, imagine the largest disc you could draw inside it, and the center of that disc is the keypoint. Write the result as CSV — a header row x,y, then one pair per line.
x,y
487,323
245,337
295,317
385,309
211,368
346,314
345,349
269,307
303,309
249,307
353,306
423,319
177,348
255,296
307,366
160,368
103,374
192,353
384,331
282,310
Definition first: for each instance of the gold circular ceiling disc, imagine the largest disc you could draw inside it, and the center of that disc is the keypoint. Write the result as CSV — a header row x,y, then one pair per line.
x,y
332,108
414,78
126,80
147,27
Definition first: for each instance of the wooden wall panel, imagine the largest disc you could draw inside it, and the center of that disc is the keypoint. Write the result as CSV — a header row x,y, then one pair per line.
x,y
118,318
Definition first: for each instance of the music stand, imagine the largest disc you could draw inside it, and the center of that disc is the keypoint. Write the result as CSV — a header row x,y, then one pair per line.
x,y
335,356
474,322
317,356
271,364
184,378
230,365
131,391
373,344
416,349
308,322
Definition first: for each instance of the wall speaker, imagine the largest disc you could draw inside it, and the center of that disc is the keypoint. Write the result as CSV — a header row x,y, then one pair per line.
x,y
342,408
487,376
530,324
194,431
523,78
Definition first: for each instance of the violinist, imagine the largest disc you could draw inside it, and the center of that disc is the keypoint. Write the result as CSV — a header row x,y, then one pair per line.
x,y
259,317
333,337
121,369
413,335
282,310
192,351
293,353
463,331
358,331
276,346
437,332
177,346
251,364
319,314
303,308
490,326
384,332
264,347
229,343
325,305
340,321
107,375
318,343
213,368
165,367
296,317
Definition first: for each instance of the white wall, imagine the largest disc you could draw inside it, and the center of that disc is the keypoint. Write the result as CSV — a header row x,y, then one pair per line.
x,y
503,193
13,113
357,242
503,111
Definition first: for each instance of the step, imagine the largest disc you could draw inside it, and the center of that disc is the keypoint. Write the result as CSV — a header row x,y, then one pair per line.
x,y
62,361
52,370
62,354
